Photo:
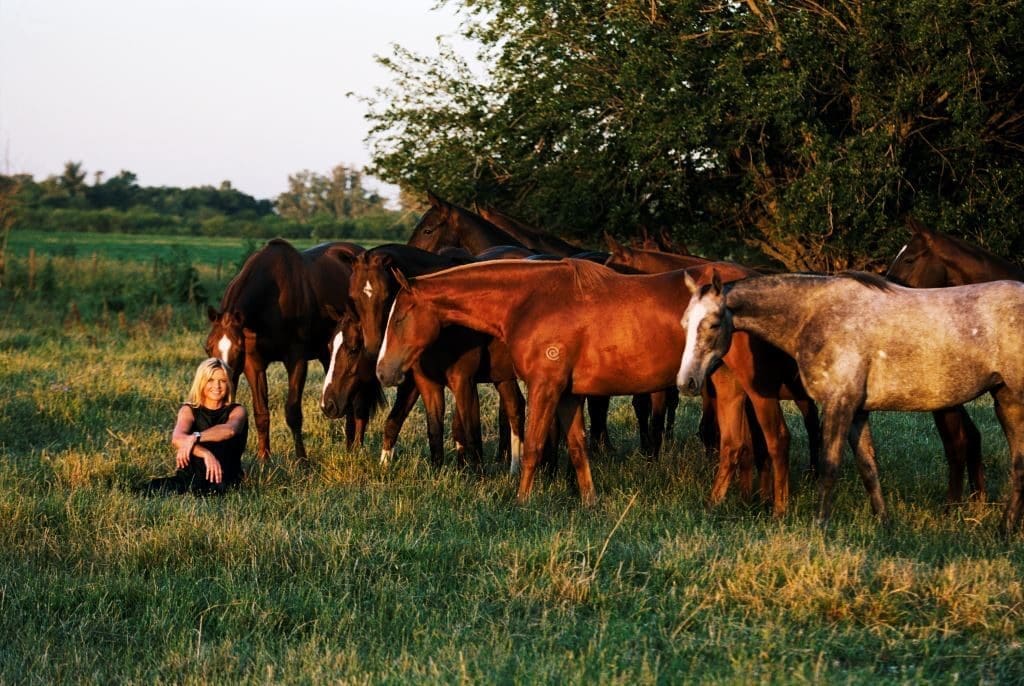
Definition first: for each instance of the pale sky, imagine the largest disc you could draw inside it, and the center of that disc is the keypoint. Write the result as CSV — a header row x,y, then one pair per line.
x,y
194,92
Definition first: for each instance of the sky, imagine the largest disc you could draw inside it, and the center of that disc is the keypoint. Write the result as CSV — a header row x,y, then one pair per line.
x,y
195,92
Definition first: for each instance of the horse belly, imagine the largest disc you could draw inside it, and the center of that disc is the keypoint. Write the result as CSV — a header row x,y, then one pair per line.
x,y
927,385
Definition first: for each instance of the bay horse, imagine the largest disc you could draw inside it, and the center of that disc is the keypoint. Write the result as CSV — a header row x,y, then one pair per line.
x,y
460,359
274,310
935,260
573,328
864,344
654,262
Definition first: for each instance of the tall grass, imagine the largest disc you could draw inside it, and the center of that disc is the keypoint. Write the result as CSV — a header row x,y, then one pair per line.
x,y
343,572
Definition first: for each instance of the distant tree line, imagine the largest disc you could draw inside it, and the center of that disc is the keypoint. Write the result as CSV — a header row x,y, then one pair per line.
x,y
314,206
798,131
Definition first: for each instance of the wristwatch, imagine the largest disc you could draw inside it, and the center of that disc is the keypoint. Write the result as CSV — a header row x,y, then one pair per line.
x,y
196,436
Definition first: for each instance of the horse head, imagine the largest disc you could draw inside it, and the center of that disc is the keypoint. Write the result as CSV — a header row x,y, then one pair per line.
x,y
226,340
708,326
371,290
918,264
349,367
435,229
412,326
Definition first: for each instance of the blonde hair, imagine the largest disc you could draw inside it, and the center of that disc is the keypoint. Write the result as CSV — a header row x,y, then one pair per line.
x,y
203,373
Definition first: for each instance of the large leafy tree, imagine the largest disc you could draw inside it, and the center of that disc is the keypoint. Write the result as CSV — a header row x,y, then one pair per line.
x,y
799,130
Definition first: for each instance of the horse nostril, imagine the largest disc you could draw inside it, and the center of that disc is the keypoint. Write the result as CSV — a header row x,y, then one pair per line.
x,y
691,385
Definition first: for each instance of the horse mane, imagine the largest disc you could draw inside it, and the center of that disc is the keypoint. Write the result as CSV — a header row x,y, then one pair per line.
x,y
868,279
586,275
414,261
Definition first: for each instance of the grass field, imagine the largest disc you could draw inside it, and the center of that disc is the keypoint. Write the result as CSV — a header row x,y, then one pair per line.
x,y
346,573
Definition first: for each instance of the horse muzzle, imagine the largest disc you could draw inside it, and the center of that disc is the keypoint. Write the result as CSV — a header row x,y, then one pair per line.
x,y
389,375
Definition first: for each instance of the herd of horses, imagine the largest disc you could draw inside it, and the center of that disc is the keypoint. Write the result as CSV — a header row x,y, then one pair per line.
x,y
479,297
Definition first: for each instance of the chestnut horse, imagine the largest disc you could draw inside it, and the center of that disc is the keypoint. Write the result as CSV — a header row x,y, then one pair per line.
x,y
656,262
274,310
573,328
529,236
866,344
460,359
934,260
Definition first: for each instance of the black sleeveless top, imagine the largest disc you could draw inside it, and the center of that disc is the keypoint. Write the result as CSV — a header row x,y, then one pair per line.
x,y
228,452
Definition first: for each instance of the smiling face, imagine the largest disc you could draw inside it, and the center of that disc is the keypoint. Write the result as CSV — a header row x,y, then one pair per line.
x,y
216,389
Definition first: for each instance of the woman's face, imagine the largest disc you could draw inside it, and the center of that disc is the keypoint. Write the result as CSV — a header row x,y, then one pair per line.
x,y
215,391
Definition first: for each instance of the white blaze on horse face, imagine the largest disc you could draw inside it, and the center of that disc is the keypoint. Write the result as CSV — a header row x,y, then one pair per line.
x,y
387,331
339,339
692,318
900,253
368,289
224,346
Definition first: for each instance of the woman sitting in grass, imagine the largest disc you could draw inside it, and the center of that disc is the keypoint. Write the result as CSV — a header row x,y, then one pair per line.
x,y
209,436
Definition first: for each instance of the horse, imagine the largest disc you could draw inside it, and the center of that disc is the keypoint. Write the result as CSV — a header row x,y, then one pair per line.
x,y
573,328
460,359
935,260
863,343
654,262
446,225
528,235
274,310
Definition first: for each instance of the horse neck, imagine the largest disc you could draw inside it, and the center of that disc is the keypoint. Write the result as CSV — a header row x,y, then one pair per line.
x,y
477,234
768,307
966,263
481,298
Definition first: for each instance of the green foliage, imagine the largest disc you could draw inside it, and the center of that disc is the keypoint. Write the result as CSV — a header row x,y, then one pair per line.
x,y
798,130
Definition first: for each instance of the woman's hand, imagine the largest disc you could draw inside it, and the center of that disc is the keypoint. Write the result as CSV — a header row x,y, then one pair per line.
x,y
214,474
185,453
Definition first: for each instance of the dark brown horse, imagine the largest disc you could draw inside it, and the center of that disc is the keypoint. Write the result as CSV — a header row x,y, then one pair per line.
x,y
528,235
864,344
275,310
935,260
460,359
573,328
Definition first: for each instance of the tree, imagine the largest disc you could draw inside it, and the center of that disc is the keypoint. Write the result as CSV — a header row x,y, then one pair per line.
x,y
339,196
799,130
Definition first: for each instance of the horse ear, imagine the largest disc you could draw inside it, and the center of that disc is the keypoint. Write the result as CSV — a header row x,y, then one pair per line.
x,y
403,283
213,314
235,317
716,282
917,227
332,313
436,201
614,247
691,285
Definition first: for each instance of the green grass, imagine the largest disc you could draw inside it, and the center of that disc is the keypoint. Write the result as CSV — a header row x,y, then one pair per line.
x,y
346,573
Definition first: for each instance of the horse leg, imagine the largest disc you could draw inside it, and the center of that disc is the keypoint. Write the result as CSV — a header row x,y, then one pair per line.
x,y
543,398
838,416
671,405
659,404
597,408
405,398
514,406
570,418
504,449
257,378
707,429
293,405
642,408
867,464
961,441
467,408
1010,412
776,439
734,436
812,425
433,402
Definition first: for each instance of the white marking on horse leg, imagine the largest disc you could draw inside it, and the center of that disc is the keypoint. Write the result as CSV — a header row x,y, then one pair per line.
x,y
368,289
387,329
224,346
386,455
517,455
338,341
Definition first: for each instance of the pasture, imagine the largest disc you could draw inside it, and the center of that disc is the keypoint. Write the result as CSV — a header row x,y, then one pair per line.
x,y
343,572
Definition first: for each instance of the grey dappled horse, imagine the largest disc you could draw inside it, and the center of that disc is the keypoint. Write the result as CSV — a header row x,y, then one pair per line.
x,y
864,344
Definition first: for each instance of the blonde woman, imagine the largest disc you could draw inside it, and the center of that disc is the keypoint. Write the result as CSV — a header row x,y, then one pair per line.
x,y
209,436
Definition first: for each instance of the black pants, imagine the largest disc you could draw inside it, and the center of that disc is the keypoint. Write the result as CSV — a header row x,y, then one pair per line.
x,y
192,479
